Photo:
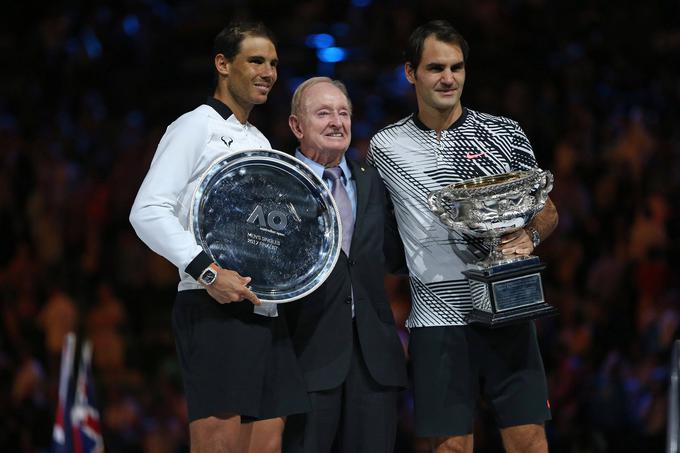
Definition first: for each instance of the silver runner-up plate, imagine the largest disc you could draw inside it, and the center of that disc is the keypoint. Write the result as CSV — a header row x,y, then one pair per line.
x,y
266,215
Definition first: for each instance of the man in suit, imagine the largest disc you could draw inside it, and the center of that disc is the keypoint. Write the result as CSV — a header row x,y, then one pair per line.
x,y
344,333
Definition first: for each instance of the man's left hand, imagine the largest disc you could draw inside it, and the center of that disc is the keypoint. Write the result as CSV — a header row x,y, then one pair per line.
x,y
517,243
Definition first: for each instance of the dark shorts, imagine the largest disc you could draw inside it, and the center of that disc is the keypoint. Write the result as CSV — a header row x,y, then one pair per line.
x,y
235,362
453,365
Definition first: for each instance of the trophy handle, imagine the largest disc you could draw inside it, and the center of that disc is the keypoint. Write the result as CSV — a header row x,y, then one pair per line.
x,y
448,214
434,203
545,186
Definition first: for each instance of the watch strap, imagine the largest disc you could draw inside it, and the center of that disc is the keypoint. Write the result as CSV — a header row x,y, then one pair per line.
x,y
533,234
198,265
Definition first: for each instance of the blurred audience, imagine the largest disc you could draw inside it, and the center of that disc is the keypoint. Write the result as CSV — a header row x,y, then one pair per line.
x,y
88,91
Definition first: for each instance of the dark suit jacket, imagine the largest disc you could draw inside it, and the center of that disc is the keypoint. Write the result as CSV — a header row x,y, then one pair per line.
x,y
321,323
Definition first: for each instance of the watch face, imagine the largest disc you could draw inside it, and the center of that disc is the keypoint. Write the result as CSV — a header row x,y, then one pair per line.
x,y
208,276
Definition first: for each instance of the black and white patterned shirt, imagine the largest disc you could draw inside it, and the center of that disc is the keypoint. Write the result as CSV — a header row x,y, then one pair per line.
x,y
413,163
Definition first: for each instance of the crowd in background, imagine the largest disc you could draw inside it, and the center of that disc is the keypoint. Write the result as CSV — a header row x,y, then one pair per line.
x,y
87,92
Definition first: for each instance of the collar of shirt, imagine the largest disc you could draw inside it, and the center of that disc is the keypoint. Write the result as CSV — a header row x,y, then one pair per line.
x,y
347,180
453,126
219,106
318,169
224,111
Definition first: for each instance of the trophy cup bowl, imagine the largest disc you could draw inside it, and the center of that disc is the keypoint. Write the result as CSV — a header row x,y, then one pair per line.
x,y
266,215
505,289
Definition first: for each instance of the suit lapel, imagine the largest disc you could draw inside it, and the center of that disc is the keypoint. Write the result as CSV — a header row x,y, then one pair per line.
x,y
363,186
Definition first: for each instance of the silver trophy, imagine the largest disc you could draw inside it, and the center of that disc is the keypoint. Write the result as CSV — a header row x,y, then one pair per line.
x,y
266,215
505,289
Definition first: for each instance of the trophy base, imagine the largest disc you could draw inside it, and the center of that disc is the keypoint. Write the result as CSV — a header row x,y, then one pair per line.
x,y
494,320
507,293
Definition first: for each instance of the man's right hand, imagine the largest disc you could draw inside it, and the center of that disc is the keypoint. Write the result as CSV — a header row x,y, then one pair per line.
x,y
229,287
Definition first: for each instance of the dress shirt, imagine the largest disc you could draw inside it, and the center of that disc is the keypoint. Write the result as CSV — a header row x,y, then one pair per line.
x,y
347,181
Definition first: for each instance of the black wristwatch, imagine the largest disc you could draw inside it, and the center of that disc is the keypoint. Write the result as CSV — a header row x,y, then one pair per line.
x,y
533,234
208,276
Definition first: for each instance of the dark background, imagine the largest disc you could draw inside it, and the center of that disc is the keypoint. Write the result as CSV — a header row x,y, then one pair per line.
x,y
87,89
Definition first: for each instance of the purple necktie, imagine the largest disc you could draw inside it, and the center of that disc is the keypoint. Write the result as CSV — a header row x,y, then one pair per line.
x,y
344,206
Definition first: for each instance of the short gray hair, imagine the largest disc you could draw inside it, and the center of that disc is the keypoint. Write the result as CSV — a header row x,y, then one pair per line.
x,y
296,102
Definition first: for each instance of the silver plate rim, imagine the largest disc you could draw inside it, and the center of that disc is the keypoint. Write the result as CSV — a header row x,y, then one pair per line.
x,y
291,162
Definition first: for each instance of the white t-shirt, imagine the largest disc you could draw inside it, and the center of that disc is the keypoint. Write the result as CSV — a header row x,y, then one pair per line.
x,y
161,212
